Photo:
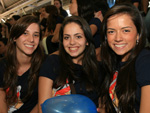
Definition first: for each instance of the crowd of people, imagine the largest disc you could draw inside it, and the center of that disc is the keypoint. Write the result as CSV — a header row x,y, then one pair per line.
x,y
101,52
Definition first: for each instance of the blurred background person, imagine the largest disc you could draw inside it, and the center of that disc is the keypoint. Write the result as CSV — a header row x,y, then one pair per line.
x,y
61,11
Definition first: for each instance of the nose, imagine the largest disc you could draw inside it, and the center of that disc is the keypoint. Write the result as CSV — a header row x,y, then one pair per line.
x,y
72,41
31,38
118,37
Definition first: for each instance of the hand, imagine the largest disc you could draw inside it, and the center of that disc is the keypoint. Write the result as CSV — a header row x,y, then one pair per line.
x,y
98,110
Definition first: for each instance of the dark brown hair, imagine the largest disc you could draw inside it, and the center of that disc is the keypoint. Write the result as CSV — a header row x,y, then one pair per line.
x,y
10,74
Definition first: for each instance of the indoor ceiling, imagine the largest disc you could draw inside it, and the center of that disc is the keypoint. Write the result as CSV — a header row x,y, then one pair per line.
x,y
21,7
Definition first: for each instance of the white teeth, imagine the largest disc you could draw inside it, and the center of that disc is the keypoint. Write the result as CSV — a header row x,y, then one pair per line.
x,y
73,48
29,45
120,45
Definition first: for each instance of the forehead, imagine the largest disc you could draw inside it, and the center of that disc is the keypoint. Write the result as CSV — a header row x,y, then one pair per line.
x,y
33,27
72,25
120,15
121,18
56,1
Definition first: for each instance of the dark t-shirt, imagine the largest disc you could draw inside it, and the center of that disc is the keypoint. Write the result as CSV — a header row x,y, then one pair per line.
x,y
28,105
96,36
63,13
142,67
50,69
52,47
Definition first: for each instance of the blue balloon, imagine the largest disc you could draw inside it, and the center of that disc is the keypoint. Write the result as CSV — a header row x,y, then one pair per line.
x,y
73,103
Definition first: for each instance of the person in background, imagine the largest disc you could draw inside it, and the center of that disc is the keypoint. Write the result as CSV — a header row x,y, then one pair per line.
x,y
61,11
75,66
4,30
3,46
125,62
100,9
19,69
54,22
13,19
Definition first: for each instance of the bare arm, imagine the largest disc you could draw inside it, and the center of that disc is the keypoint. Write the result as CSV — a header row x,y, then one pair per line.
x,y
145,99
3,105
45,90
55,38
93,29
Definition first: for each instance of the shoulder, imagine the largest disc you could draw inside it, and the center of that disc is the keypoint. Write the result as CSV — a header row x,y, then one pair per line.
x,y
50,66
96,22
142,69
143,56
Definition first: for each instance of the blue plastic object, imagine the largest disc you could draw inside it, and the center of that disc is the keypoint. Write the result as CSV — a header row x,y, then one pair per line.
x,y
73,103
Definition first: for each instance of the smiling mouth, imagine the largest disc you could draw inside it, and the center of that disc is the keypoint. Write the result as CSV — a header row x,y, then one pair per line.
x,y
28,45
73,49
120,45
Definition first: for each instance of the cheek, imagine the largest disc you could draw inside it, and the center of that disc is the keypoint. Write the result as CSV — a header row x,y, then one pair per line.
x,y
37,40
110,40
64,43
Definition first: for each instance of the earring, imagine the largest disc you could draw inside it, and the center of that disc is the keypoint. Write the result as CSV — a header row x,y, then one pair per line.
x,y
137,42
105,38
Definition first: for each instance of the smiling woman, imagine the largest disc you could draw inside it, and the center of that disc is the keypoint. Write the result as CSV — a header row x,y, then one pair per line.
x,y
76,66
121,35
125,62
18,75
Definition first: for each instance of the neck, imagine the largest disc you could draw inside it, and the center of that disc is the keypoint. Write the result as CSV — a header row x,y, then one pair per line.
x,y
24,63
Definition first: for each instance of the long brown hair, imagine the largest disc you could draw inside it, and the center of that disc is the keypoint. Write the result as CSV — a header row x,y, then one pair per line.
x,y
89,61
10,74
126,81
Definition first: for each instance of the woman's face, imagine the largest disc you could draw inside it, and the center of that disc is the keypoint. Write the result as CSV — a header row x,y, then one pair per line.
x,y
27,43
121,34
44,13
73,8
57,4
74,41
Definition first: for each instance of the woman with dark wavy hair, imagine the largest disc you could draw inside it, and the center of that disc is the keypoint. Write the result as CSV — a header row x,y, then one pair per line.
x,y
19,69
61,11
76,65
126,86
86,9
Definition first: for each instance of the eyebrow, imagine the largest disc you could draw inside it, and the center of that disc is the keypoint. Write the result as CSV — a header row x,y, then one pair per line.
x,y
74,34
29,31
121,28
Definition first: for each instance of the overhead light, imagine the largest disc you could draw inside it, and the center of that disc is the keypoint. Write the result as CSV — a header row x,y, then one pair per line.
x,y
3,20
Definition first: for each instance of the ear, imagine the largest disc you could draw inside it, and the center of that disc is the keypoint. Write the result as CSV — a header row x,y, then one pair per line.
x,y
14,39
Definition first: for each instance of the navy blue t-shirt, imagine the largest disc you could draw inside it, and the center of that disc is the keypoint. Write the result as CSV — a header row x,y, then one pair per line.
x,y
142,68
50,69
96,36
28,105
